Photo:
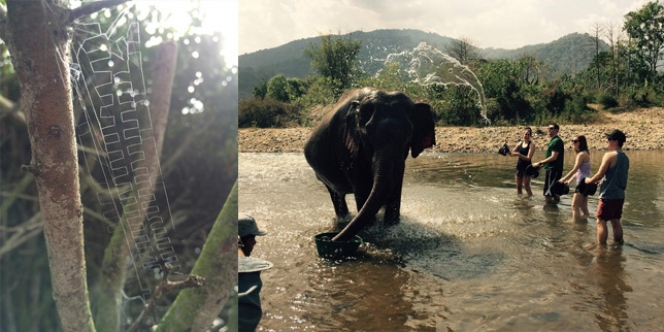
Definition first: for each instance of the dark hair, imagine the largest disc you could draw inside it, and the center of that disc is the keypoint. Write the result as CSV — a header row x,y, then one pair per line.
x,y
555,125
583,144
528,129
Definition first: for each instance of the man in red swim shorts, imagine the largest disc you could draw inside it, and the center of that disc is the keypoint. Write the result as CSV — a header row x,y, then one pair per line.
x,y
613,175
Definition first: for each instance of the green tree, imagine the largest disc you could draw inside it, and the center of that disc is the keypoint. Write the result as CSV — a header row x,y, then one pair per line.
x,y
646,28
296,88
260,90
277,88
335,59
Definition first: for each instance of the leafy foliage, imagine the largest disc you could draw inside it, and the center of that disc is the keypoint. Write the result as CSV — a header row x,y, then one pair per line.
x,y
646,27
335,59
531,85
569,54
267,113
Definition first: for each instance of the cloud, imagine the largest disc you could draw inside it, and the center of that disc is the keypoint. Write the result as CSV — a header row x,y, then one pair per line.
x,y
500,23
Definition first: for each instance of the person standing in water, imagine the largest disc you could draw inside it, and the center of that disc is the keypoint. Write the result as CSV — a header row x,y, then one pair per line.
x,y
250,284
580,170
613,175
554,161
524,151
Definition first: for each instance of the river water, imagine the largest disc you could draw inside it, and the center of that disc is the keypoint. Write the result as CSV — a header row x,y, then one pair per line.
x,y
469,254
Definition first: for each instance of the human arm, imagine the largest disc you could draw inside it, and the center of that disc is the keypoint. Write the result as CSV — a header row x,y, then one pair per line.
x,y
552,158
607,161
531,151
577,164
515,152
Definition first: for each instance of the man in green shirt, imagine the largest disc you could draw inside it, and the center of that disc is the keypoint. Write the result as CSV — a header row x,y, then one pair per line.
x,y
553,163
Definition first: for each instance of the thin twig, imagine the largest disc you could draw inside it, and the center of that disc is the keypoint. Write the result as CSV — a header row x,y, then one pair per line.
x,y
3,22
17,239
165,287
92,7
3,12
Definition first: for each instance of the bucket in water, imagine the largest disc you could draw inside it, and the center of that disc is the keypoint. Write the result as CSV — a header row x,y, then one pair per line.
x,y
587,189
531,171
560,189
336,249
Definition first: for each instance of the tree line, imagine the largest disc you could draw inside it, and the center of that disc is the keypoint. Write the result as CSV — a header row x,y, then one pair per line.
x,y
627,75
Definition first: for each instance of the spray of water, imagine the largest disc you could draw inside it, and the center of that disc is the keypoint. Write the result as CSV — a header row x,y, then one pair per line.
x,y
427,65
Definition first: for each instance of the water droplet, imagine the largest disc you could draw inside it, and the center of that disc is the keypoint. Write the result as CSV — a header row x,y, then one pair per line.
x,y
110,63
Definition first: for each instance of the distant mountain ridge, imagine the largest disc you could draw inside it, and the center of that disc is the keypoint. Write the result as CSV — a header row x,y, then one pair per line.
x,y
569,54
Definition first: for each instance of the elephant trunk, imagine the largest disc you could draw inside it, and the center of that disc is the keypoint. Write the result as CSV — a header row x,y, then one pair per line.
x,y
382,176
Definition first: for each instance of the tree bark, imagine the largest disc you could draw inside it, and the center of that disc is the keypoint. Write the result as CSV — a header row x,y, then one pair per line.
x,y
196,308
38,40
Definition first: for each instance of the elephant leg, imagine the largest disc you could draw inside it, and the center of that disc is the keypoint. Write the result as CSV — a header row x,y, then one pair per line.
x,y
339,202
393,203
392,212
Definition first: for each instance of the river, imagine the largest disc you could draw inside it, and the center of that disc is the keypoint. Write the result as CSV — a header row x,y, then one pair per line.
x,y
469,254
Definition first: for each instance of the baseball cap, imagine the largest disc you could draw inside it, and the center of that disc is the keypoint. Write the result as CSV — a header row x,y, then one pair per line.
x,y
246,225
616,135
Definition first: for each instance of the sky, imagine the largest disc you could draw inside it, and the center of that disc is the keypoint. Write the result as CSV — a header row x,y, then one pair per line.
x,y
218,15
508,24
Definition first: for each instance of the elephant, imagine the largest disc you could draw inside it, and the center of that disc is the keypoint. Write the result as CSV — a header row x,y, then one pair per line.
x,y
361,146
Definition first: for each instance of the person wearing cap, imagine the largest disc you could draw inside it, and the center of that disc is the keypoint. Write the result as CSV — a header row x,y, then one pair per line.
x,y
247,229
580,171
524,151
250,311
613,176
553,163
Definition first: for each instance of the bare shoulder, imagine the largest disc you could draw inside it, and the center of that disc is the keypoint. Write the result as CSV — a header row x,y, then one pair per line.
x,y
610,158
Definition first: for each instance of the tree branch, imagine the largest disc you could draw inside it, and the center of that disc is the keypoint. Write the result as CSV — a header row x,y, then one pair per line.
x,y
163,288
195,310
3,22
8,107
92,7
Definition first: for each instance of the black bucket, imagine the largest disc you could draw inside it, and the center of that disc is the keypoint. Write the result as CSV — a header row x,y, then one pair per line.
x,y
504,150
586,189
560,189
336,249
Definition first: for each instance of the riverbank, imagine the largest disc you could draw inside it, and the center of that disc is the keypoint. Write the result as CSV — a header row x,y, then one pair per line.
x,y
644,128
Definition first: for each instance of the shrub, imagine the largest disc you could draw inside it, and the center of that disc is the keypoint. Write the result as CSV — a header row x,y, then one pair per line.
x,y
267,113
607,100
577,110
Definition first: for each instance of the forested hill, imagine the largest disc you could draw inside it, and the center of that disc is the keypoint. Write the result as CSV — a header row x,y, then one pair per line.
x,y
569,54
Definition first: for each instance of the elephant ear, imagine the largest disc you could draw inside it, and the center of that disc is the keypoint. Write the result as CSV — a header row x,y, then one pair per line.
x,y
424,133
351,137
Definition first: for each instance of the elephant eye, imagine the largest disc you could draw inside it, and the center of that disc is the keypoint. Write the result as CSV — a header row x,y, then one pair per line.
x,y
366,112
